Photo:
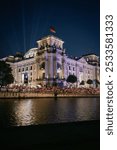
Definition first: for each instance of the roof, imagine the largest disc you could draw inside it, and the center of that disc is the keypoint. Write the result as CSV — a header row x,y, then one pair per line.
x,y
49,36
30,51
89,54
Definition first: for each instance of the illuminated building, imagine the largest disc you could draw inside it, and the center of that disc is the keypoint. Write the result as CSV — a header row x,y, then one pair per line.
x,y
48,64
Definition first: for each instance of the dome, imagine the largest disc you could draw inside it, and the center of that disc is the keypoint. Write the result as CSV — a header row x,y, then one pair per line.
x,y
31,53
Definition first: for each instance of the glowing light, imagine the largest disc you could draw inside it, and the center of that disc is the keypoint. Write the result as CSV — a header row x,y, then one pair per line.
x,y
24,112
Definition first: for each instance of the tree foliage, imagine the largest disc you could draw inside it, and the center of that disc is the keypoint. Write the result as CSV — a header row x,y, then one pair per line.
x,y
6,76
89,81
82,82
71,79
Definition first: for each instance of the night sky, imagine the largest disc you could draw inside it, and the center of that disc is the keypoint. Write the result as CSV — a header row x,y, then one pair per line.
x,y
23,22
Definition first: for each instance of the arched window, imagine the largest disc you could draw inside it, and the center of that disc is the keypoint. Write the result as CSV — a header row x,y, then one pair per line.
x,y
42,66
58,65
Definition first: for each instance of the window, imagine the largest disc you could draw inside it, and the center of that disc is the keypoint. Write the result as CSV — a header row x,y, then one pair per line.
x,y
31,73
25,78
69,67
73,68
43,76
42,66
70,73
80,69
58,76
30,67
22,69
19,70
26,68
58,66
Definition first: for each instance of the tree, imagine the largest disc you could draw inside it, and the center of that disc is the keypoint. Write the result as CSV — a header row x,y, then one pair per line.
x,y
72,79
89,81
82,82
6,76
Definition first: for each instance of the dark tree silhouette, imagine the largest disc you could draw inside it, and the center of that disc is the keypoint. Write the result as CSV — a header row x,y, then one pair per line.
x,y
6,76
82,82
89,81
71,79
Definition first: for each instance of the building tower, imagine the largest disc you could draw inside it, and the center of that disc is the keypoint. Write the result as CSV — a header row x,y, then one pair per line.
x,y
50,60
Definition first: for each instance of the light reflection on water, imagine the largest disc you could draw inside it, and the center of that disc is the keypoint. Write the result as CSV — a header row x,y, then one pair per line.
x,y
23,112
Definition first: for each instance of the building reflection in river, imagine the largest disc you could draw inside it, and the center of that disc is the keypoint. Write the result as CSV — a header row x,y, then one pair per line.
x,y
23,112
48,110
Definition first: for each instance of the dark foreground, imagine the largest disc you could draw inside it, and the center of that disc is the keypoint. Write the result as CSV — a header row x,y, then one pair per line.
x,y
72,136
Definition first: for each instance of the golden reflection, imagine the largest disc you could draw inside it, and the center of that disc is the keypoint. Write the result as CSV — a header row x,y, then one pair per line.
x,y
42,111
23,112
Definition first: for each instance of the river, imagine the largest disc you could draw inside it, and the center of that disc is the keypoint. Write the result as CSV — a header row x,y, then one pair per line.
x,y
24,112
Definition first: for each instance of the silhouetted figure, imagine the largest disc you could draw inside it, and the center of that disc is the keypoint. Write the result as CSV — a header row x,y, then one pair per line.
x,y
55,94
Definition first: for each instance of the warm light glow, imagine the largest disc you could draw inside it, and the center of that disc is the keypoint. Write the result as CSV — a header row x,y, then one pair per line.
x,y
23,112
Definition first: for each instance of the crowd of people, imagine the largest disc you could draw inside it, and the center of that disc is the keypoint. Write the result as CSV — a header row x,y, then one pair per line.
x,y
52,89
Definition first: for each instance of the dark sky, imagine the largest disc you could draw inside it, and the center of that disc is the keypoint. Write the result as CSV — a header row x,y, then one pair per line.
x,y
23,22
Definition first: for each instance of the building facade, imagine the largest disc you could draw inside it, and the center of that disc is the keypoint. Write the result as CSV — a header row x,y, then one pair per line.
x,y
48,64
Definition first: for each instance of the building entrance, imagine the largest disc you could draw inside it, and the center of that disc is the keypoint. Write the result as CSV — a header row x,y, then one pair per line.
x,y
25,78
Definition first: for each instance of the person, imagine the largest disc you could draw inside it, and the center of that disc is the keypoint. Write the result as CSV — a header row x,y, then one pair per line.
x,y
55,93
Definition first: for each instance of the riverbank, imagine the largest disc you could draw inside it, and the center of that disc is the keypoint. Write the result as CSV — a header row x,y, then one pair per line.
x,y
72,136
11,95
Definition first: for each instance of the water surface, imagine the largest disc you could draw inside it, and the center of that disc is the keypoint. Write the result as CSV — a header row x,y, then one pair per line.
x,y
23,112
